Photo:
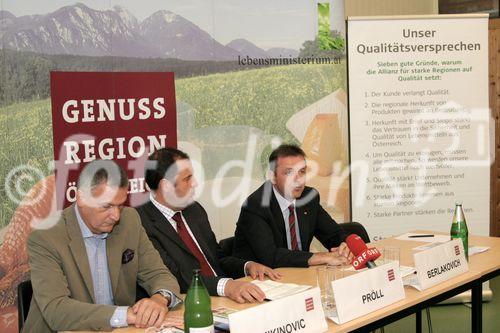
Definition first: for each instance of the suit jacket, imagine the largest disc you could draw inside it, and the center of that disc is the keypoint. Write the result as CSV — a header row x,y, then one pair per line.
x,y
261,235
177,256
63,293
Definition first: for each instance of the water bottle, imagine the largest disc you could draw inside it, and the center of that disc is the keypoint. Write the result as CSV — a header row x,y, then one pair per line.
x,y
198,317
459,228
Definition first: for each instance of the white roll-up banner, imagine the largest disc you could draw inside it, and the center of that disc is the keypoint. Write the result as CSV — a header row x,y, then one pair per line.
x,y
419,122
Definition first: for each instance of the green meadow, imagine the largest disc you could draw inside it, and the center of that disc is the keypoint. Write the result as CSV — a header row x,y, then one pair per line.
x,y
26,142
263,98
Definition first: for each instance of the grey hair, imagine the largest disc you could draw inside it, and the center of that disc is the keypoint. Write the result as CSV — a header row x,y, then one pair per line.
x,y
102,171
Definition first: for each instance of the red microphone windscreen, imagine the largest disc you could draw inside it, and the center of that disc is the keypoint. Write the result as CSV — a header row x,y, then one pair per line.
x,y
355,244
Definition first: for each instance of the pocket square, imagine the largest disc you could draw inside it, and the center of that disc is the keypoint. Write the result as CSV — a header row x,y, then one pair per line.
x,y
127,256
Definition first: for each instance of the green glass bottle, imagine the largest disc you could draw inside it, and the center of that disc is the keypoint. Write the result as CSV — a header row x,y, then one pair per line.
x,y
198,317
459,228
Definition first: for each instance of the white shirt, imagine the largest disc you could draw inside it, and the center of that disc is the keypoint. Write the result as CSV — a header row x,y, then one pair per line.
x,y
284,204
169,213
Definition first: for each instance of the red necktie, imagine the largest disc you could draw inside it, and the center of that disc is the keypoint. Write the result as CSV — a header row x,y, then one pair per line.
x,y
291,224
191,245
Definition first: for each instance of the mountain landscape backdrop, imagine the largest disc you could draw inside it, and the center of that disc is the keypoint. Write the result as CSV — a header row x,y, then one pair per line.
x,y
80,30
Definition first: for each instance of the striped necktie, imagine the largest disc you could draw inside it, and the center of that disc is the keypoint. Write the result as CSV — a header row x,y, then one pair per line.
x,y
291,224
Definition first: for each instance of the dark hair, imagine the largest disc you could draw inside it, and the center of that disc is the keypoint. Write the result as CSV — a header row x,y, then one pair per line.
x,y
284,150
161,165
102,171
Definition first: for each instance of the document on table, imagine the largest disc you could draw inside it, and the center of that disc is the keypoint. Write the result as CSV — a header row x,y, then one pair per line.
x,y
276,290
222,314
172,324
426,246
407,270
477,249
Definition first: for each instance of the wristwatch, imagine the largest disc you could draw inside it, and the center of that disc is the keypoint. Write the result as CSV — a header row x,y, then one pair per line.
x,y
165,294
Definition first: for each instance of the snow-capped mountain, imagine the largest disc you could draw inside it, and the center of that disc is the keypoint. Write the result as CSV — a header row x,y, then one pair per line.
x,y
80,30
177,37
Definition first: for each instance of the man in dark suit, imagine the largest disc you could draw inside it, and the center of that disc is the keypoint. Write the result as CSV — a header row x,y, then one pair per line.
x,y
84,269
179,229
278,221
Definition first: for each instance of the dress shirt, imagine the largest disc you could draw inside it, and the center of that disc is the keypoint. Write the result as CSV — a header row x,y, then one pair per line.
x,y
98,262
95,244
169,213
284,204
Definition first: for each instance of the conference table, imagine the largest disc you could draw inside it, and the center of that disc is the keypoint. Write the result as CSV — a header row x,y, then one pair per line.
x,y
482,267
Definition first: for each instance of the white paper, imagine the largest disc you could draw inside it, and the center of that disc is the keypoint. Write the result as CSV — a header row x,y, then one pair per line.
x,y
426,246
276,290
407,270
384,285
439,264
477,249
300,312
412,281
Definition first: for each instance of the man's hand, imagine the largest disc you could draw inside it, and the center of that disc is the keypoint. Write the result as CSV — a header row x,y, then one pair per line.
x,y
131,317
328,258
343,250
242,291
149,312
260,271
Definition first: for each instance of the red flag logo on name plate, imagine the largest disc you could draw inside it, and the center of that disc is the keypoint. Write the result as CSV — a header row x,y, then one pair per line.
x,y
309,304
457,250
390,275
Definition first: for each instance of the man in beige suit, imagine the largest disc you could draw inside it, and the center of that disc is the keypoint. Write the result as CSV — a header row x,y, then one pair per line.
x,y
85,268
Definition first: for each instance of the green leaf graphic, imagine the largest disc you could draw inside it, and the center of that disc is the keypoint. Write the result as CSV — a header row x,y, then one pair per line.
x,y
325,38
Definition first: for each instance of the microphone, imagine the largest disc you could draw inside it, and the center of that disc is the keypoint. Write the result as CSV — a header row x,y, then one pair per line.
x,y
364,256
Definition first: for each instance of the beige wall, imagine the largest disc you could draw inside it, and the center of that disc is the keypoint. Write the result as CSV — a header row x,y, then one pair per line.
x,y
390,7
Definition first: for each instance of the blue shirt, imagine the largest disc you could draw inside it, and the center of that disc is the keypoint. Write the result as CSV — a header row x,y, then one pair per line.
x,y
95,245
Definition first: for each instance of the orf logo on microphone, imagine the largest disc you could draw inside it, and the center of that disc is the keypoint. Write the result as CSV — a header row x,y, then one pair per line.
x,y
365,256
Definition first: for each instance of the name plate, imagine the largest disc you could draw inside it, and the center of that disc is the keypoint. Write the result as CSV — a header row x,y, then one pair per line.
x,y
301,312
439,264
367,291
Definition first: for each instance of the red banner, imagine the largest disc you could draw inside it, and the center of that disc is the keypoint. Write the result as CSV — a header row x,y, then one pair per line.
x,y
116,116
